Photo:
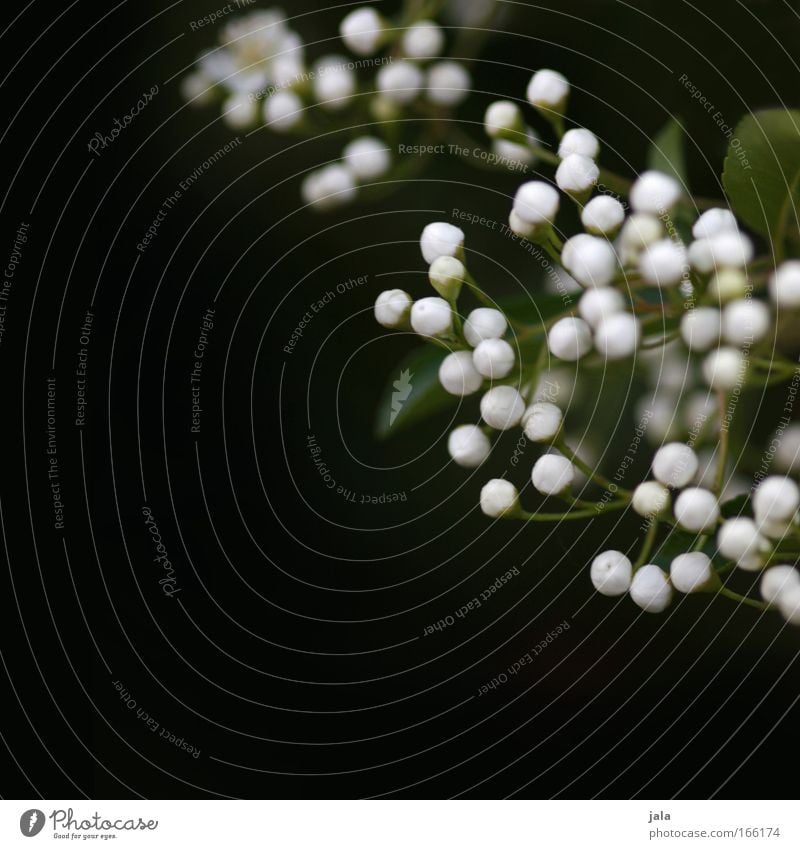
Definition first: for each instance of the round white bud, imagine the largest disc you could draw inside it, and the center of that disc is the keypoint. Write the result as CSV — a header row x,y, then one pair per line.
x,y
611,573
536,203
617,336
724,368
727,284
363,31
503,118
400,82
441,239
689,573
502,407
548,90
499,498
714,221
510,152
603,215
745,321
730,249
581,141
787,449
639,231
739,540
239,111
542,421
494,358
789,605
776,499
569,339
283,111
431,317
448,83
675,464
701,328
423,40
590,260
368,158
596,305
522,228
469,446
197,88
446,274
650,589
457,374
333,82
697,510
784,285
776,580
577,174
552,474
328,187
664,263
393,308
484,323
650,499
655,193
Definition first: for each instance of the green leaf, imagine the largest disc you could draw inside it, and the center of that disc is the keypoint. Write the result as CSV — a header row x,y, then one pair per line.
x,y
668,151
762,172
413,392
537,308
738,506
679,542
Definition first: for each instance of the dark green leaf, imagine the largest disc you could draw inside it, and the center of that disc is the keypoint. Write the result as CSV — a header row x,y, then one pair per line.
x,y
413,392
762,172
679,542
668,151
537,308
738,506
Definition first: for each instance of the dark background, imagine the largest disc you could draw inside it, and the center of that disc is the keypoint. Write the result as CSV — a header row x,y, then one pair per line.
x,y
293,655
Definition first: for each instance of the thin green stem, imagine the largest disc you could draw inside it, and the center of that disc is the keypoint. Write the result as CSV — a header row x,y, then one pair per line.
x,y
573,515
591,473
647,546
743,599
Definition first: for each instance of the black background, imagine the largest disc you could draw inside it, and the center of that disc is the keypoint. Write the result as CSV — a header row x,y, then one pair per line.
x,y
293,656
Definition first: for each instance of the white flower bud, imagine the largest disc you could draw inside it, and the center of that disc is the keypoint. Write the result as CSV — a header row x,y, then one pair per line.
x,y
745,321
423,40
595,305
457,374
368,158
697,510
328,187
577,174
590,260
283,111
714,221
400,82
548,90
664,263
675,464
510,152
197,88
617,336
441,239
701,328
536,203
776,499
784,285
431,317
655,193
611,573
639,231
393,308
727,284
739,540
494,358
650,499
448,83
650,589
363,31
503,118
603,215
724,368
787,449
542,421
499,498
484,323
469,446
730,249
570,339
776,580
689,573
446,275
552,474
522,228
581,141
775,530
333,82
239,111
502,407
789,605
